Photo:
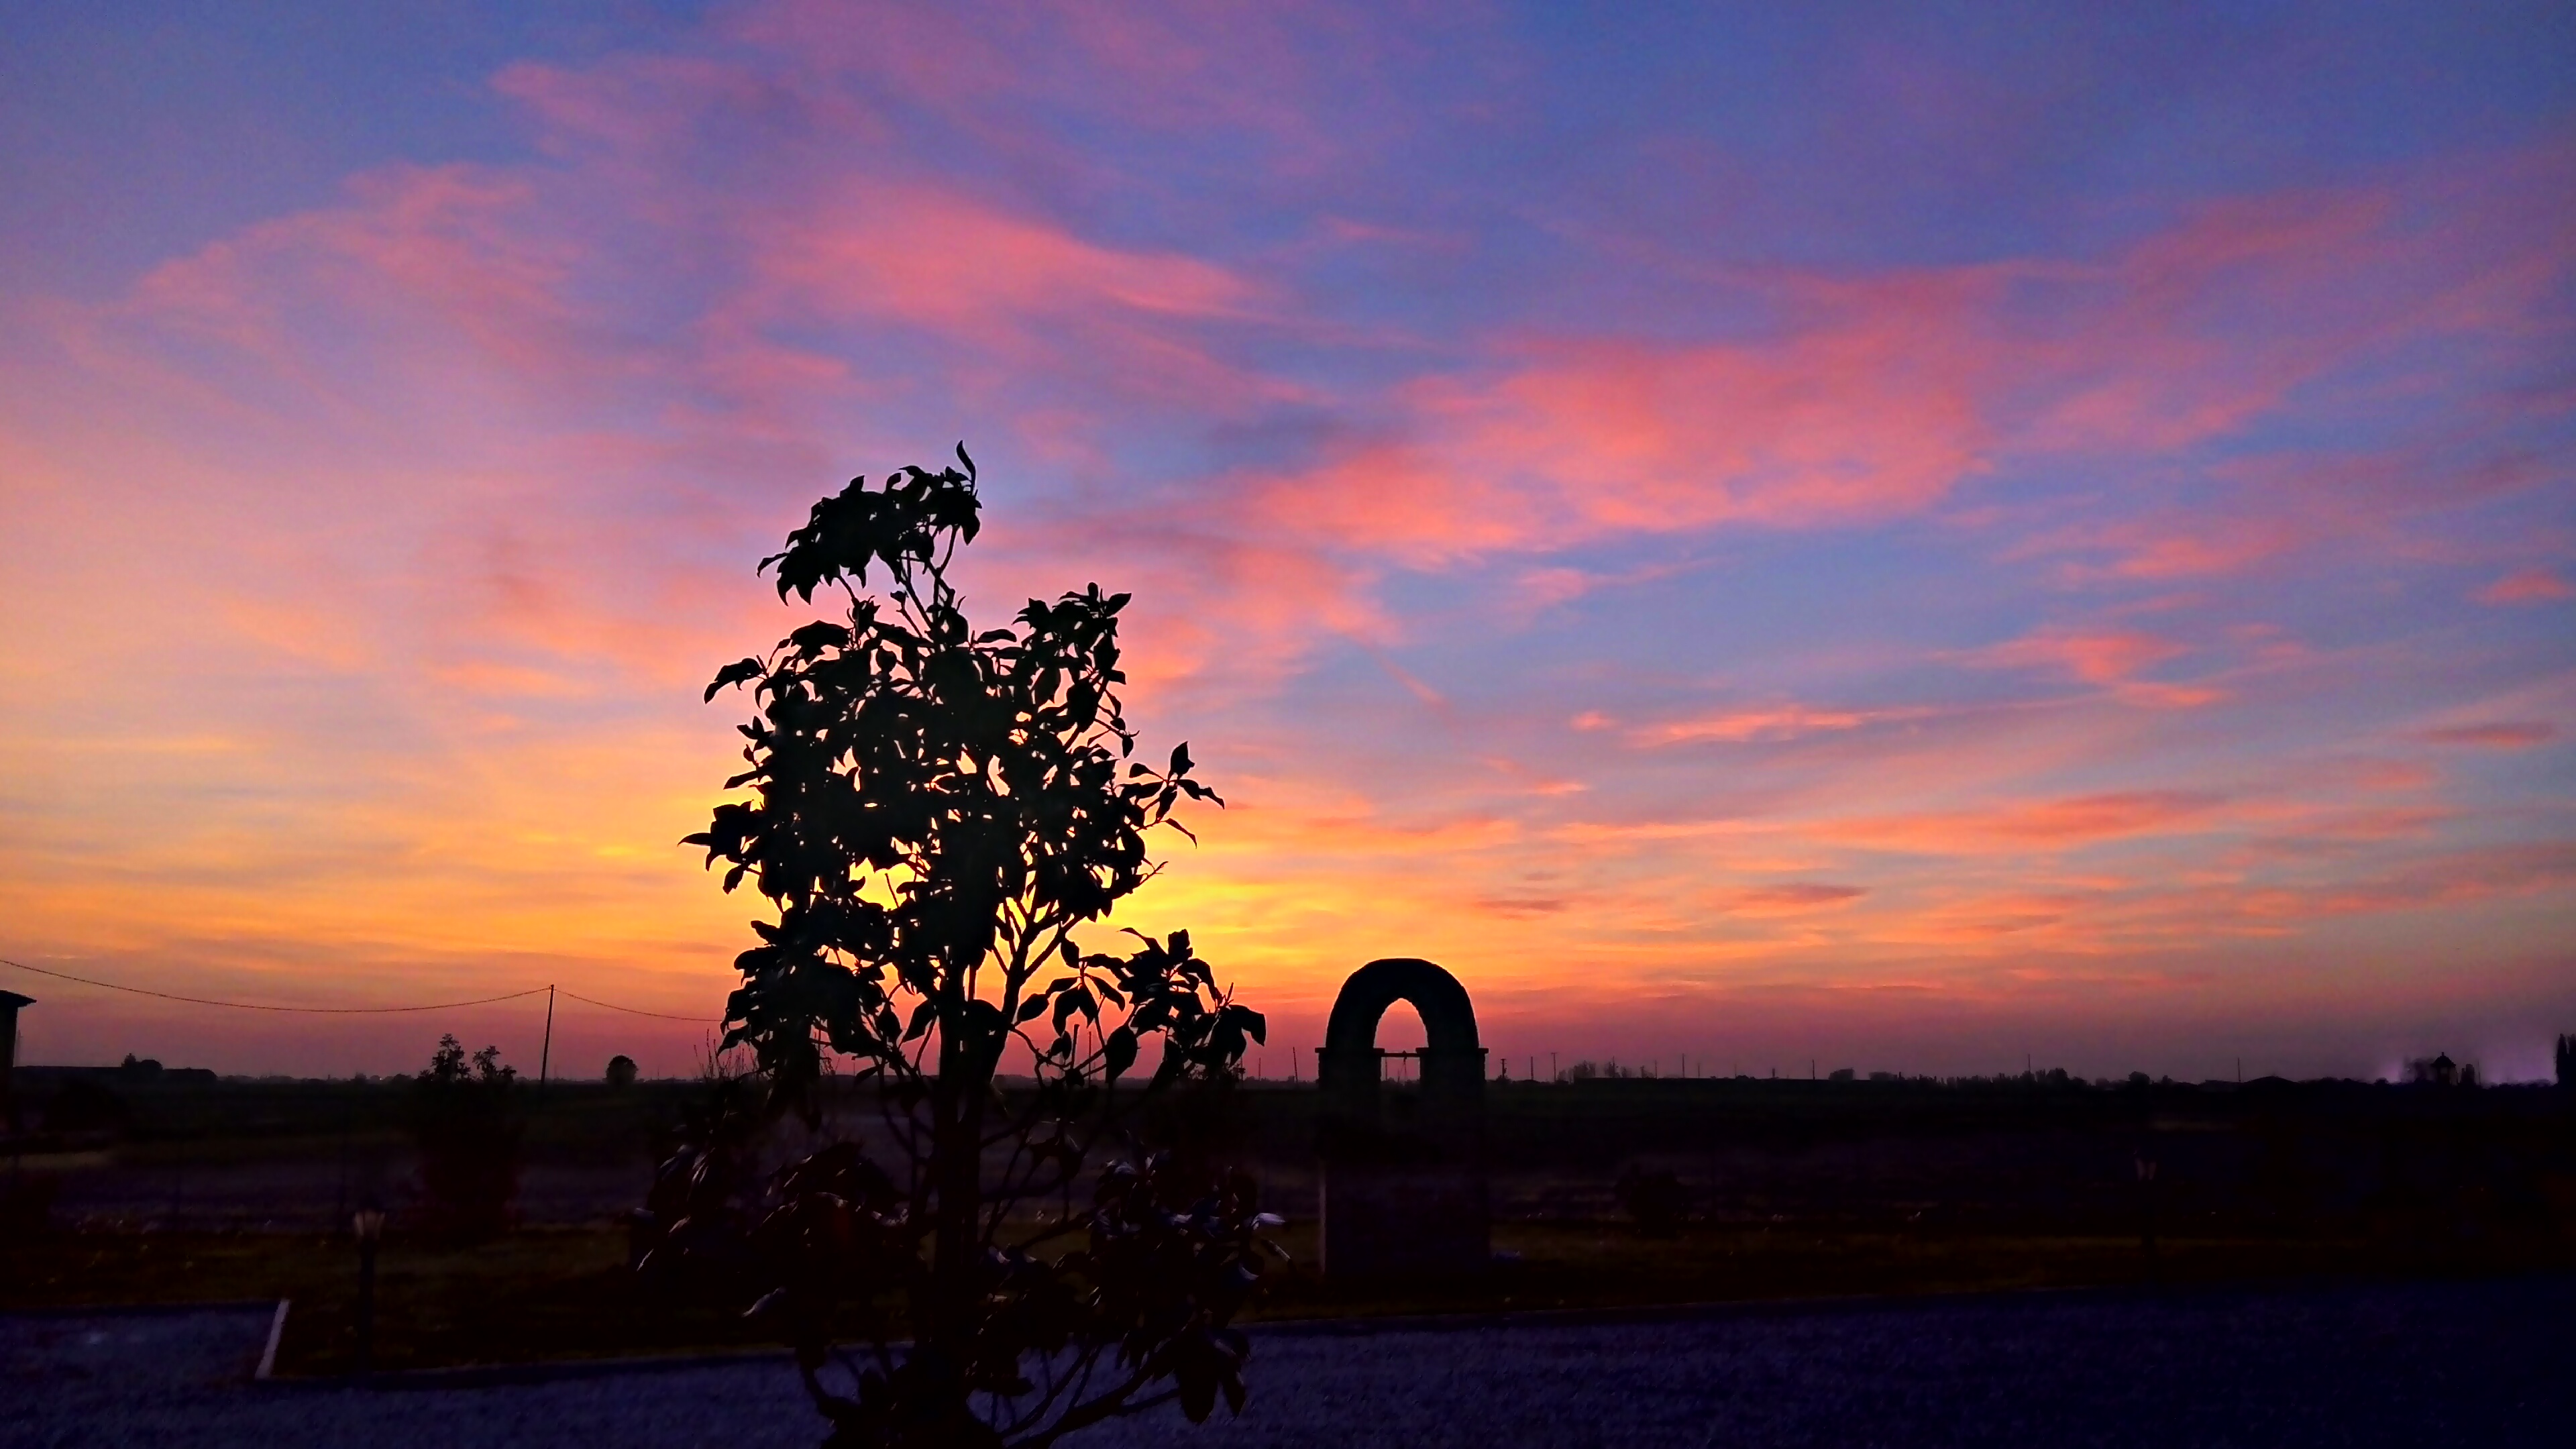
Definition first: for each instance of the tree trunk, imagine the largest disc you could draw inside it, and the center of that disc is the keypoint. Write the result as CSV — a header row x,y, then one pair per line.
x,y
946,1323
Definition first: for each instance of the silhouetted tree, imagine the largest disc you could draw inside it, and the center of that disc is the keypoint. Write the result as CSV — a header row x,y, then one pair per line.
x,y
935,811
621,1071
2566,1060
466,1121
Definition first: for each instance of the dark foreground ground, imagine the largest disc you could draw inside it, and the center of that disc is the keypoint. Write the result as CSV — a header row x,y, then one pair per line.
x,y
162,1187
2487,1362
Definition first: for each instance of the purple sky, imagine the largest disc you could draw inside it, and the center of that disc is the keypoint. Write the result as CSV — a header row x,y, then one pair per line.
x,y
1901,537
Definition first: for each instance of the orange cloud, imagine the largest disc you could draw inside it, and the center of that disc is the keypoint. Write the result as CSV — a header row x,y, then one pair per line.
x,y
1748,726
1796,896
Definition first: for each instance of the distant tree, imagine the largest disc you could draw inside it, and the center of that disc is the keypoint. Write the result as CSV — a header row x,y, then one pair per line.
x,y
2566,1060
935,811
621,1071
466,1122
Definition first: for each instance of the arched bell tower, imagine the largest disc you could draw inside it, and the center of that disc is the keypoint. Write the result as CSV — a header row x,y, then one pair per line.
x,y
1402,1195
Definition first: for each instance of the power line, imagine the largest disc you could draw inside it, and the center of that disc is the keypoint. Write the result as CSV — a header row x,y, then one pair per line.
x,y
330,1010
633,1011
265,1006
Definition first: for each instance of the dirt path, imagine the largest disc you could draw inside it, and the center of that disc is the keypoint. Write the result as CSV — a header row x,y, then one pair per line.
x,y
2489,1363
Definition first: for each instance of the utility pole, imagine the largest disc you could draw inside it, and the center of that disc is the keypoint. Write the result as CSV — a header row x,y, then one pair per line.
x,y
546,1052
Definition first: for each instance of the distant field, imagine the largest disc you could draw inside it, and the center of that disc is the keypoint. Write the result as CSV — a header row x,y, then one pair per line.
x,y
202,1191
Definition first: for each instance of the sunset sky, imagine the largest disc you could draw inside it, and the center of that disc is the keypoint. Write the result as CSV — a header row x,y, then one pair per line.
x,y
1891,537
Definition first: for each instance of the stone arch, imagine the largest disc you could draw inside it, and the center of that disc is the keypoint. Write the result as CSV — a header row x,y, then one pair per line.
x,y
1448,1017
1410,1200
1453,1063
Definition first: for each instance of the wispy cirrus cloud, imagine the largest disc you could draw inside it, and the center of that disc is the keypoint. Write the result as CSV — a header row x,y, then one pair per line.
x,y
2104,658
1797,896
2048,824
1760,724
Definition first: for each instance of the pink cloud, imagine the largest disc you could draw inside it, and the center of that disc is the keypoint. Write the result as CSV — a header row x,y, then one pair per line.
x,y
1870,412
1861,409
918,255
1878,398
2106,658
2494,734
1398,502
2530,586
2171,546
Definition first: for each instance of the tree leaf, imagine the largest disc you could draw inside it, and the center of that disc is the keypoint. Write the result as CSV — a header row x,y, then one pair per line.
x,y
1118,1052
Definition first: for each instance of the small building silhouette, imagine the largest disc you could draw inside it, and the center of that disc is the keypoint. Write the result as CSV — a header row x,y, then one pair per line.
x,y
2441,1071
10,1001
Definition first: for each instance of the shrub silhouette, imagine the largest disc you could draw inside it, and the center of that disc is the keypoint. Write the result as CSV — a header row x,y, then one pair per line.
x,y
935,810
466,1122
1655,1198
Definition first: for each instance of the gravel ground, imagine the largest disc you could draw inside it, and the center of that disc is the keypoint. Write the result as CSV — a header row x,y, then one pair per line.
x,y
2485,1363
